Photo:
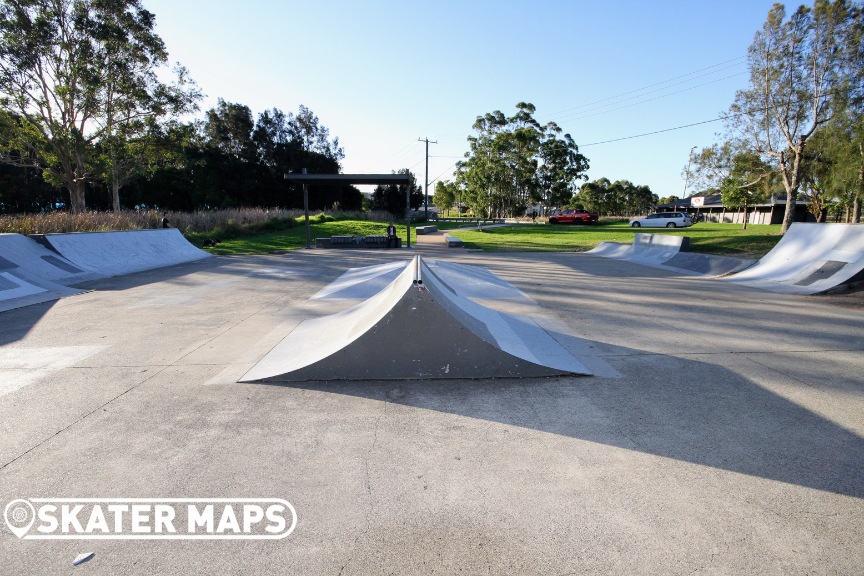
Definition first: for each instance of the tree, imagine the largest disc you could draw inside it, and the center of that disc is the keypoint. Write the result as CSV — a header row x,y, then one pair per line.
x,y
74,77
391,197
445,194
228,129
135,103
797,68
835,162
514,161
621,198
305,129
745,184
561,167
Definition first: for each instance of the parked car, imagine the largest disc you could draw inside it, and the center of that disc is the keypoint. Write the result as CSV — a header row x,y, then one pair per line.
x,y
663,220
573,216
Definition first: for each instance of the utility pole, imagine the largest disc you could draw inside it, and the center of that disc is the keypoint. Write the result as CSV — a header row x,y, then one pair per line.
x,y
426,195
306,212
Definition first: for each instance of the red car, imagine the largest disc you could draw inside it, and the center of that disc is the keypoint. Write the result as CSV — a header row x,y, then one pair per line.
x,y
573,216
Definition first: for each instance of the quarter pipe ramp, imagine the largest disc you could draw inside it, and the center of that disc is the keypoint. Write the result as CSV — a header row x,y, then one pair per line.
x,y
809,259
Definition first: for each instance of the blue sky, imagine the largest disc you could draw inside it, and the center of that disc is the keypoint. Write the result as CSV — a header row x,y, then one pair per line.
x,y
381,73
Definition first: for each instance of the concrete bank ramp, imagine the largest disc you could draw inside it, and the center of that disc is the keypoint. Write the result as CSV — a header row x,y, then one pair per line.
x,y
32,274
669,252
124,252
15,292
37,261
810,258
417,327
648,249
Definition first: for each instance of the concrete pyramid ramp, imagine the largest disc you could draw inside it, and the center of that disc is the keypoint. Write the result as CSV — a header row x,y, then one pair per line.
x,y
810,258
415,328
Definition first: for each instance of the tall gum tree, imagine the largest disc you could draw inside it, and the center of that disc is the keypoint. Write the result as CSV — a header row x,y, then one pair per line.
x,y
796,71
514,161
76,84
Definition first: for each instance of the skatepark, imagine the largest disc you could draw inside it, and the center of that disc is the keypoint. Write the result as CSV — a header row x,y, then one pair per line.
x,y
645,417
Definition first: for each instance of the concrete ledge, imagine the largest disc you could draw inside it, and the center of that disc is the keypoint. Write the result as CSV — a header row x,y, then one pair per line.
x,y
376,241
426,229
474,220
707,264
452,241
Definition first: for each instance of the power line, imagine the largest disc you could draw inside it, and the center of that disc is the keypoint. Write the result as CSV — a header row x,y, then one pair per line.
x,y
570,117
444,172
600,101
759,110
399,153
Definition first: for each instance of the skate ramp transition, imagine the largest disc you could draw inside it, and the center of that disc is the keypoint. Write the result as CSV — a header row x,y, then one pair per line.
x,y
669,252
32,272
124,252
809,259
650,249
416,327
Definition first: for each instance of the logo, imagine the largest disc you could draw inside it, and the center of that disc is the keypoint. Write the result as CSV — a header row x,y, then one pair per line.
x,y
150,518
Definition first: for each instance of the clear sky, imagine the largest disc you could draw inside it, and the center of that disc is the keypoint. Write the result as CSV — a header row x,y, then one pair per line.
x,y
380,74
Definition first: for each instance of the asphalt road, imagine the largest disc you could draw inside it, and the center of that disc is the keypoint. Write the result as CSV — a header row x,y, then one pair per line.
x,y
723,432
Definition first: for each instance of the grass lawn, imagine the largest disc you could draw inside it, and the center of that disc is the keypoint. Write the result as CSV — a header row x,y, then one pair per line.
x,y
708,238
291,237
728,239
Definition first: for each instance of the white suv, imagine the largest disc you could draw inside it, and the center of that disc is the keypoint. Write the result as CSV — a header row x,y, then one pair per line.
x,y
663,220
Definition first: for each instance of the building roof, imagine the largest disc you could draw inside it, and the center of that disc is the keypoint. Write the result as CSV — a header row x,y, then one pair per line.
x,y
716,201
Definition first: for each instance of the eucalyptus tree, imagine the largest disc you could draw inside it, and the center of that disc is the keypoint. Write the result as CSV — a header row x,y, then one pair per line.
x,y
619,198
746,183
135,104
305,129
798,66
391,197
445,194
597,196
77,83
514,161
561,167
834,165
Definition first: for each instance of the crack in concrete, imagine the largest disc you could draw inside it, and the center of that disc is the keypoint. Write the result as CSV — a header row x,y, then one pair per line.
x,y
82,418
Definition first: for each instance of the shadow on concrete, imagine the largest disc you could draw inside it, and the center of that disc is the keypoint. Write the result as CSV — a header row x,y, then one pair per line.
x,y
15,324
706,415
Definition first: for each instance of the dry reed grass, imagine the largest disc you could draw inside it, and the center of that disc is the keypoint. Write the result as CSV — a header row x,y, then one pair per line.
x,y
187,222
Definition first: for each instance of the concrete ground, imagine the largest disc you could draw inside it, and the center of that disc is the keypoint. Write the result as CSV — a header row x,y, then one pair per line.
x,y
724,433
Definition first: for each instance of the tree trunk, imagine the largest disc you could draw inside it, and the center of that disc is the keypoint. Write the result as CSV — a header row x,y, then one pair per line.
x,y
115,195
856,209
789,216
791,182
76,196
